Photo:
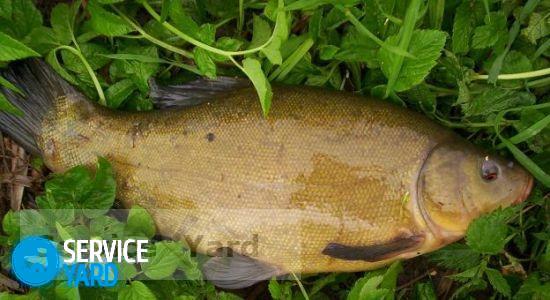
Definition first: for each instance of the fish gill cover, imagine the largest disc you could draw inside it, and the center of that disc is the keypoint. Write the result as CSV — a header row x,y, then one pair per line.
x,y
479,67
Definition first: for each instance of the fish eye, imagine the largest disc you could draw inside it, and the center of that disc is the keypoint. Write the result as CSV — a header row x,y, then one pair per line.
x,y
489,170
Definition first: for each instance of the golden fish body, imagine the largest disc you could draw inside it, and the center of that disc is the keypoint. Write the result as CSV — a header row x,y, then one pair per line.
x,y
324,168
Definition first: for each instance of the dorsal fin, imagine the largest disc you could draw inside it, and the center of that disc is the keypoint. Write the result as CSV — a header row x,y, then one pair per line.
x,y
194,92
376,252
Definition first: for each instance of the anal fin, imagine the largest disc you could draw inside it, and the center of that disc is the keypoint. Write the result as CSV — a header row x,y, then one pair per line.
x,y
377,252
235,271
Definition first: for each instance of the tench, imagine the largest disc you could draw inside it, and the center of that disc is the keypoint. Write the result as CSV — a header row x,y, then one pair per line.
x,y
327,182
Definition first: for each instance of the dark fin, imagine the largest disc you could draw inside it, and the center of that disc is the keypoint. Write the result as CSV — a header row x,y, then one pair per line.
x,y
194,92
41,86
235,271
374,253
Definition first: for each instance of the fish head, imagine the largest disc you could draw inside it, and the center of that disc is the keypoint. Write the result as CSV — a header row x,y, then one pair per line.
x,y
459,182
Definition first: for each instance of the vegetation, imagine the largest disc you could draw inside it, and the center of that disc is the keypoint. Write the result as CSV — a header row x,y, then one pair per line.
x,y
481,67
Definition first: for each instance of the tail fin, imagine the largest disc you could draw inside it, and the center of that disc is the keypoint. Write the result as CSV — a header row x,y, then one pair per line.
x,y
41,86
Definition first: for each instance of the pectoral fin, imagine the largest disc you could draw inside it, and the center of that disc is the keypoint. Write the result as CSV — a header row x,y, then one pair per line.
x,y
377,252
235,271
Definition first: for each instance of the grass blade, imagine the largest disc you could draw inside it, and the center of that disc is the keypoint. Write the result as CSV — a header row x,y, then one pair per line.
x,y
287,65
529,132
512,34
406,31
526,162
364,31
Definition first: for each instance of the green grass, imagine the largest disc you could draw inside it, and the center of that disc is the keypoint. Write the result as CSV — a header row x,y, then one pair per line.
x,y
480,67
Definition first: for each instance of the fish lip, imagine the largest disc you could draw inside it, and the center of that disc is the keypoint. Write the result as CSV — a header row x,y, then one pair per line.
x,y
526,191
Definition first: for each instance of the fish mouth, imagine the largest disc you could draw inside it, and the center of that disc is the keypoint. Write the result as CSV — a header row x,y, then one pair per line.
x,y
526,191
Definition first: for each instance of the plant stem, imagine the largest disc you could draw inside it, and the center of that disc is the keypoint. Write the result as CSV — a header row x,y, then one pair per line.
x,y
91,72
364,31
240,21
538,82
302,289
200,44
515,76
151,38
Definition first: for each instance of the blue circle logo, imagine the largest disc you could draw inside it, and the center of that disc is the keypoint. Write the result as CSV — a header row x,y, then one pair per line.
x,y
35,261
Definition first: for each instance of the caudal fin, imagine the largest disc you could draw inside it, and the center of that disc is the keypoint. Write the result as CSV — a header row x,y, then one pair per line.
x,y
41,86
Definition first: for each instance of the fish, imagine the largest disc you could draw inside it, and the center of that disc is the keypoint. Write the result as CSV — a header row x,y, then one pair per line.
x,y
329,181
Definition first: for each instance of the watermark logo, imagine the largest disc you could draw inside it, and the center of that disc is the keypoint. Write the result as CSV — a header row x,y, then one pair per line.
x,y
35,261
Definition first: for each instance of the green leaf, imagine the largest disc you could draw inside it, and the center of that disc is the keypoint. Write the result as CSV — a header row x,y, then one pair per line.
x,y
163,263
42,40
261,32
69,187
10,86
327,52
105,22
11,49
462,28
106,227
426,48
64,292
136,290
227,296
456,256
280,290
516,62
494,100
253,69
488,35
204,62
119,91
424,291
25,17
93,53
189,265
370,281
62,232
10,224
62,212
165,8
140,223
182,20
61,22
126,271
488,234
6,9
273,52
137,70
498,282
5,105
467,275
390,278
31,222
102,190
538,27
207,33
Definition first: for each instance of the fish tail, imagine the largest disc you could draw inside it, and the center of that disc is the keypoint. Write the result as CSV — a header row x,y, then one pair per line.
x,y
41,86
